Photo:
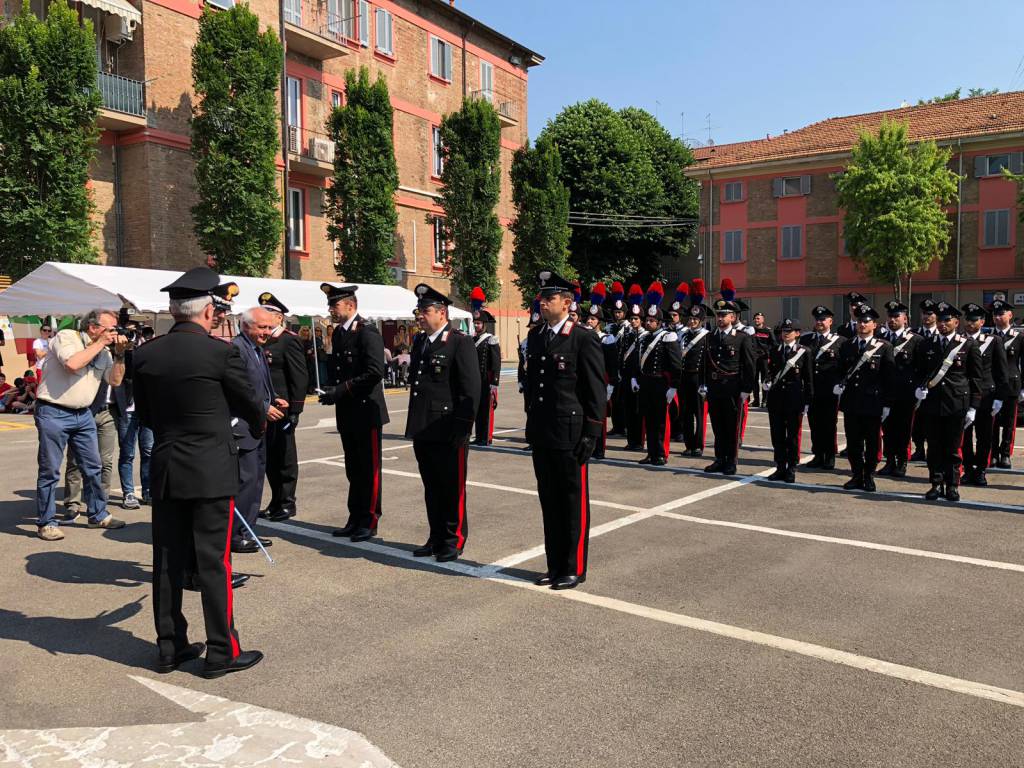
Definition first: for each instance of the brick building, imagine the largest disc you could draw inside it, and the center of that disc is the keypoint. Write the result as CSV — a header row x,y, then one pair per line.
x,y
777,232
431,54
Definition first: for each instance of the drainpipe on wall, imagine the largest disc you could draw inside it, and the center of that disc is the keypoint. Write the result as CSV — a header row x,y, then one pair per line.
x,y
959,205
709,270
115,159
465,34
285,261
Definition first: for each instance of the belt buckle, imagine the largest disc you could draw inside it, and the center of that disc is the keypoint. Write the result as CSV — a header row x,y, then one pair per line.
x,y
714,376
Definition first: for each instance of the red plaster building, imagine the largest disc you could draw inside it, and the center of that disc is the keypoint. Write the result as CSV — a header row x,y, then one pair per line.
x,y
431,54
776,229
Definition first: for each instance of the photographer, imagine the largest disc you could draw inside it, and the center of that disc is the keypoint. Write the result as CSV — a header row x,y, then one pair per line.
x,y
78,362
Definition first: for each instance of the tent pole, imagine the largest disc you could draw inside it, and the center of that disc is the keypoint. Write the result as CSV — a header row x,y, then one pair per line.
x,y
316,363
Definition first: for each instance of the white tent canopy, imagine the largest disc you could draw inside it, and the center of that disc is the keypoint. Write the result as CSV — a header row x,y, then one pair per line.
x,y
74,289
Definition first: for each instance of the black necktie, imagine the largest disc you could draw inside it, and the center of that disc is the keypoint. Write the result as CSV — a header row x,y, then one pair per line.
x,y
945,343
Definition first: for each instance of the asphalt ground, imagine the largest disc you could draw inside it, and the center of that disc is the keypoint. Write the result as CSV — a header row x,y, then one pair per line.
x,y
725,621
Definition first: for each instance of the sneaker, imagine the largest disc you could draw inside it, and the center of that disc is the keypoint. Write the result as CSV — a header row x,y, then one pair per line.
x,y
130,502
71,514
110,522
50,533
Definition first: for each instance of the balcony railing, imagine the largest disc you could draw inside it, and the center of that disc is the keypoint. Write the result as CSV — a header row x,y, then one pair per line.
x,y
506,107
315,17
121,94
312,146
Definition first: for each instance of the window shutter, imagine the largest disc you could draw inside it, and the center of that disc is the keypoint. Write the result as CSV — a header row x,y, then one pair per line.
x,y
447,62
1016,162
364,22
433,56
391,32
805,185
381,32
777,187
980,166
1004,227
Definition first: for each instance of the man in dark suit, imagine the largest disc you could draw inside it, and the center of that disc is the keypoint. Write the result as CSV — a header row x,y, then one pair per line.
x,y
995,395
488,352
896,429
186,386
1013,345
257,325
789,390
865,394
359,408
287,360
825,347
444,390
926,330
659,368
948,366
849,329
564,420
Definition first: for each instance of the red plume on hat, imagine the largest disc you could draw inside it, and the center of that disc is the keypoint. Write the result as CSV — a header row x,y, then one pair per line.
x,y
728,289
697,291
655,294
477,298
618,292
598,294
636,295
577,292
682,290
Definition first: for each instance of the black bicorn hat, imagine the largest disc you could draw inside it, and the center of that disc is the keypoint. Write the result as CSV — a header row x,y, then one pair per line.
x,y
202,281
653,311
928,306
271,302
944,310
483,316
337,292
697,310
788,324
973,311
723,305
866,312
741,305
855,298
894,308
428,297
821,311
999,306
551,282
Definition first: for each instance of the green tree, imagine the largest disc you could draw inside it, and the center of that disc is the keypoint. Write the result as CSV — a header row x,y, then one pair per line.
x,y
360,204
235,140
471,186
954,95
48,108
541,228
895,195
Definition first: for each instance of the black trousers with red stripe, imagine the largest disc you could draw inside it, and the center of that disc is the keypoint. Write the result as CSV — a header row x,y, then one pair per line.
x,y
977,449
443,468
282,463
564,490
484,431
786,425
945,436
896,430
657,424
726,414
1004,429
186,534
362,468
863,436
693,417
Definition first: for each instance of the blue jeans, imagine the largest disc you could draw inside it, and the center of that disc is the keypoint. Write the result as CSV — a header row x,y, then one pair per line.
x,y
128,430
58,428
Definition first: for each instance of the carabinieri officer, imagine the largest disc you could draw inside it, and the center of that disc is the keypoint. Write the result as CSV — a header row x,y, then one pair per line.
x,y
789,390
564,419
444,390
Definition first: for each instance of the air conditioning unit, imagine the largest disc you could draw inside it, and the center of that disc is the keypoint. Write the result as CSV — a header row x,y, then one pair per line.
x,y
293,139
396,274
118,30
323,150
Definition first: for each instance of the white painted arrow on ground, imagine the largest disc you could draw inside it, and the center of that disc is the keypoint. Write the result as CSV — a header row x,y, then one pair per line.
x,y
231,734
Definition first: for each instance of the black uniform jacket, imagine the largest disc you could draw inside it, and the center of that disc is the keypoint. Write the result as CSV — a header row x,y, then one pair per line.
x,y
287,359
359,358
869,388
663,362
960,388
186,386
904,377
825,351
693,353
488,353
729,363
994,378
795,388
444,387
1013,347
566,393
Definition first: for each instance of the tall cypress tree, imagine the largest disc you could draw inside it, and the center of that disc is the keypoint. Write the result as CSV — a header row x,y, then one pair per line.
x,y
360,204
235,140
48,107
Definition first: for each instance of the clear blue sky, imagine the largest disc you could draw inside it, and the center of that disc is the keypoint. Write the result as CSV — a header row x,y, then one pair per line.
x,y
757,67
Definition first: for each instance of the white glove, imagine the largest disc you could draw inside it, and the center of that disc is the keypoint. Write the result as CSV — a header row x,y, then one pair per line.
x,y
969,418
1020,397
633,385
997,406
885,412
806,409
702,390
670,394
610,389
494,390
921,393
521,387
767,385
744,397
838,389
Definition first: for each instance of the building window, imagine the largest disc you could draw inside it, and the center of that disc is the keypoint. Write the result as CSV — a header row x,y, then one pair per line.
x,y
790,307
385,33
364,23
296,220
335,99
733,191
292,10
437,165
791,186
733,249
791,242
997,228
487,80
994,165
341,18
295,102
440,243
440,59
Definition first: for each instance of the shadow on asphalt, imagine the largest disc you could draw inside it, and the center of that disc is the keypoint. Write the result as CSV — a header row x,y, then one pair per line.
x,y
71,568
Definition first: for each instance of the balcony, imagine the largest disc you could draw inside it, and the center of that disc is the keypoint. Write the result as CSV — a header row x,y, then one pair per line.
x,y
124,102
506,107
312,30
310,152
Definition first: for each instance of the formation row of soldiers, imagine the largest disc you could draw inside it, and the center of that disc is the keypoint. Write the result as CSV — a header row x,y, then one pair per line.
x,y
947,383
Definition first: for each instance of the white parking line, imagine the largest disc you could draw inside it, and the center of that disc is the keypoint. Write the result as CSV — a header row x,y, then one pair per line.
x,y
777,642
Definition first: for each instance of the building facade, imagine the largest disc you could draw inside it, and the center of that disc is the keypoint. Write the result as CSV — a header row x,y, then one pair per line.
x,y
431,54
776,229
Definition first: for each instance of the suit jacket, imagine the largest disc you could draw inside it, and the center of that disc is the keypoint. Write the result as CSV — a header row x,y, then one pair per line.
x,y
796,388
870,388
444,387
566,396
1013,348
186,386
994,373
286,357
960,388
729,363
359,359
904,377
258,371
825,354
